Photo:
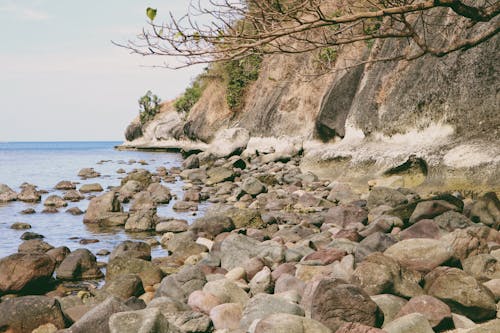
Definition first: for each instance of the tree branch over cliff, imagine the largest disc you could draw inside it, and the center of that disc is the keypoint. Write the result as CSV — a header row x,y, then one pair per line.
x,y
221,30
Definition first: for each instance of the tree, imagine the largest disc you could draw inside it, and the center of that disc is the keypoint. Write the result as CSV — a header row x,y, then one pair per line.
x,y
235,29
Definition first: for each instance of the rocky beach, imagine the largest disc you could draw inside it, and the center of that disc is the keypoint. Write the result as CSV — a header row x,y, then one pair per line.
x,y
277,250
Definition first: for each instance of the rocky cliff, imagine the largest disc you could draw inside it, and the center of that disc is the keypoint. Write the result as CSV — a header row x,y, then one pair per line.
x,y
432,123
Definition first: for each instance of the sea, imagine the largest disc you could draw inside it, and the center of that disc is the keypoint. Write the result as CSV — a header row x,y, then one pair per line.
x,y
44,164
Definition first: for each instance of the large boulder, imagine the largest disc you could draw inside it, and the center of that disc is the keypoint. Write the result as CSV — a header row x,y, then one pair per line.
x,y
79,265
132,249
34,246
487,210
229,141
483,267
29,193
226,291
55,201
434,310
211,226
385,196
226,316
142,321
462,292
104,210
24,314
218,175
159,194
411,323
289,323
181,284
253,186
430,209
7,194
133,131
149,273
25,272
142,220
142,176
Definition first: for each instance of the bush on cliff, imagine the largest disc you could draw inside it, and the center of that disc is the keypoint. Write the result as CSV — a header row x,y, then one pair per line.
x,y
149,106
189,97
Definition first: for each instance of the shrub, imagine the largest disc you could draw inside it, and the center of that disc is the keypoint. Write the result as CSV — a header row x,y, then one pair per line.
x,y
190,97
149,106
239,74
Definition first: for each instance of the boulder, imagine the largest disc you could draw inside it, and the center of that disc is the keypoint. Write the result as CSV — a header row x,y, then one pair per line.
x,y
75,211
59,253
435,311
487,210
125,286
128,190
341,193
142,201
172,226
181,284
34,246
142,220
262,282
93,187
228,142
7,194
422,229
149,273
65,185
219,174
159,194
390,306
245,218
347,216
483,267
79,265
420,254
385,196
132,249
102,209
88,173
202,301
465,243
253,186
226,316
25,272
332,301
142,176
142,321
20,226
29,193
430,209
411,323
462,292
184,206
73,196
452,220
133,131
211,226
289,323
25,314
55,201
191,322
31,235
226,291
191,162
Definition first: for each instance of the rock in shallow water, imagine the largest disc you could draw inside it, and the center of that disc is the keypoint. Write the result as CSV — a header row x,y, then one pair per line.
x,y
22,271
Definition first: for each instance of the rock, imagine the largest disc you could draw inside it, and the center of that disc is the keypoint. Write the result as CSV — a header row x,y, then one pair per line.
x,y
55,201
358,328
79,265
288,323
211,226
191,322
88,173
411,323
96,320
385,196
93,187
462,321
28,211
287,282
202,301
149,273
73,196
494,286
142,176
245,218
133,131
390,306
7,194
465,242
464,294
436,312
180,285
430,209
325,256
172,226
184,206
262,282
346,216
483,267
330,301
173,242
50,210
142,220
263,305
487,210
29,193
47,328
191,162
168,305
451,220
65,185
143,201
128,190
420,254
25,272
341,193
219,174
229,141
20,226
142,321
75,211
159,194
421,229
253,186
102,209
58,254
34,246
376,242
24,314
226,291
124,286
226,316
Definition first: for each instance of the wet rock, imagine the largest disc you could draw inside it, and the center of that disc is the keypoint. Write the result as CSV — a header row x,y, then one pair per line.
x,y
93,187
65,185
103,252
125,286
142,321
226,316
88,173
483,267
20,226
172,226
180,285
420,254
385,196
50,210
79,265
159,194
211,226
143,201
263,305
7,194
487,210
330,301
128,190
253,186
29,193
75,211
28,211
226,291
149,273
435,311
96,320
55,201
430,209
288,323
202,301
73,196
462,292
105,210
142,220
411,323
59,253
34,246
21,272
120,171
390,306
24,314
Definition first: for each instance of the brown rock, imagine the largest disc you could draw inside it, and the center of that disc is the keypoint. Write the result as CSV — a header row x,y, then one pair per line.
x,y
20,272
326,256
432,308
226,316
358,328
422,229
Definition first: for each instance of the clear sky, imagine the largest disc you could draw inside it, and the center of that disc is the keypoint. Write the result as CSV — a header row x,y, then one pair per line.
x,y
62,79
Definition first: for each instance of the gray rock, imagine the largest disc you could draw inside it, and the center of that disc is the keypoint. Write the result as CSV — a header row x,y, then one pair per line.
x,y
73,196
226,291
211,226
159,194
125,286
451,220
430,209
104,210
29,193
226,316
191,322
385,196
411,323
65,185
92,187
79,265
390,306
7,194
142,321
218,175
288,323
483,267
132,249
253,186
172,226
180,285
142,220
149,273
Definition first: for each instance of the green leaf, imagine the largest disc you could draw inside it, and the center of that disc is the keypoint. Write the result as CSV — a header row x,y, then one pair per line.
x,y
151,13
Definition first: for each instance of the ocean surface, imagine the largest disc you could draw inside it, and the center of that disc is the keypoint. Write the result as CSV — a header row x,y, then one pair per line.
x,y
44,164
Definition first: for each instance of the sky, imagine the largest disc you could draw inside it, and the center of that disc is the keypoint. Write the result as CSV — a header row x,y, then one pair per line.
x,y
61,78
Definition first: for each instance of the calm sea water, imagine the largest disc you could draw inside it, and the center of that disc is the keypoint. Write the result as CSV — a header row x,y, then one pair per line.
x,y
46,163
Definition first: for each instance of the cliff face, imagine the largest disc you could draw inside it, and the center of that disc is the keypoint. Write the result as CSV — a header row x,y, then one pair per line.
x,y
431,122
